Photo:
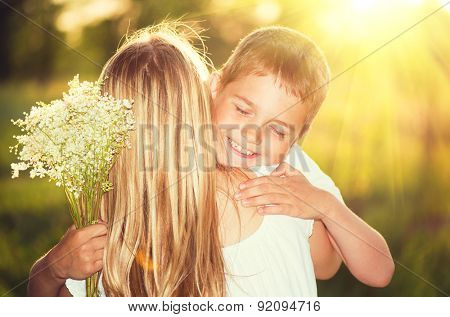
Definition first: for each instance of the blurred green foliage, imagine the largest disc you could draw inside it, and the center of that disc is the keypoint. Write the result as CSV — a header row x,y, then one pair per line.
x,y
382,135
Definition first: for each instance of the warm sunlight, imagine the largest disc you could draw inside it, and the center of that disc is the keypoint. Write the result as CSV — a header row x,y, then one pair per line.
x,y
380,143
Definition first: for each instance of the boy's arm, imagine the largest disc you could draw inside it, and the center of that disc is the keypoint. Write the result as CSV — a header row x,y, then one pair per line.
x,y
326,259
362,248
326,255
319,244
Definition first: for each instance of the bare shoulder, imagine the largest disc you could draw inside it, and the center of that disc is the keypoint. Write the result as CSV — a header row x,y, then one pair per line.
x,y
236,221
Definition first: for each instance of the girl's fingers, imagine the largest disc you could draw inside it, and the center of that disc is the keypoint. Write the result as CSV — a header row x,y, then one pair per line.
x,y
98,243
71,228
95,230
267,199
98,265
98,255
85,234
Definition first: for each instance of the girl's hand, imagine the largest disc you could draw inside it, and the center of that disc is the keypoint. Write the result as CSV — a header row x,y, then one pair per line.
x,y
79,253
286,191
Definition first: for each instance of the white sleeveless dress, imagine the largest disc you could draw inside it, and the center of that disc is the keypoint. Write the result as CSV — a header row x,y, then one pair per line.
x,y
275,260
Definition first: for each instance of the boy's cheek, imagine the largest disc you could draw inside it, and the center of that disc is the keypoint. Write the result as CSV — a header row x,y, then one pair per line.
x,y
224,120
231,128
275,151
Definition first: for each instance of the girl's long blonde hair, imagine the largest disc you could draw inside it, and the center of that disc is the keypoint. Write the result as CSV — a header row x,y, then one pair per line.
x,y
163,236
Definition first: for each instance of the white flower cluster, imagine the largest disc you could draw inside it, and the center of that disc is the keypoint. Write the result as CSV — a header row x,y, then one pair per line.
x,y
74,141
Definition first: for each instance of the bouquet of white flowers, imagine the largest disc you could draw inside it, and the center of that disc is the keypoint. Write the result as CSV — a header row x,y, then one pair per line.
x,y
75,141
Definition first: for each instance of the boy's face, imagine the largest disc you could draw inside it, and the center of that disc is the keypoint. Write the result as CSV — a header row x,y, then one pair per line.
x,y
258,121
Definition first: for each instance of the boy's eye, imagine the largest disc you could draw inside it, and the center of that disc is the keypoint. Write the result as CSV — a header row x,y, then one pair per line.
x,y
278,131
241,111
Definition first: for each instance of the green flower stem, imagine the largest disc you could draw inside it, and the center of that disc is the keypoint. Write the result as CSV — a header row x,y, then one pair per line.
x,y
84,212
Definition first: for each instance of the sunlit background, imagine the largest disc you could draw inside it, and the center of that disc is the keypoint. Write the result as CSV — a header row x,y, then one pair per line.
x,y
383,134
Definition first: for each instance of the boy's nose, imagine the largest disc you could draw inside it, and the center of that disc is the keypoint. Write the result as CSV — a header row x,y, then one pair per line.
x,y
252,134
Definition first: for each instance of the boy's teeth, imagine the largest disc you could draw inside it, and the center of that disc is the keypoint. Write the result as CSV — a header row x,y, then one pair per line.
x,y
239,148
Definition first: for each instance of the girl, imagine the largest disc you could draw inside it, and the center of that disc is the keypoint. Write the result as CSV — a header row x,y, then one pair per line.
x,y
162,237
169,230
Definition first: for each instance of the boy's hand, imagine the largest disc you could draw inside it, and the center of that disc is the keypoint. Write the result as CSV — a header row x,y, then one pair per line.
x,y
79,253
288,191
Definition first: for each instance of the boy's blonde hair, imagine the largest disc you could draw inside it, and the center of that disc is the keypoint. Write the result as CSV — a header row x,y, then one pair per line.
x,y
291,56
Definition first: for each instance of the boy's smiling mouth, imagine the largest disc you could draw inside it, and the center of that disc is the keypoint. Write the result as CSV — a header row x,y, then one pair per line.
x,y
239,150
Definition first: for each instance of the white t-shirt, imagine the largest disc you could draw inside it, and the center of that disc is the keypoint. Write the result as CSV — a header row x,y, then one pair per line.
x,y
275,260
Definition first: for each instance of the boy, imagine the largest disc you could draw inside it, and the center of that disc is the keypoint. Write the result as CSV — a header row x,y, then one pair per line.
x,y
265,98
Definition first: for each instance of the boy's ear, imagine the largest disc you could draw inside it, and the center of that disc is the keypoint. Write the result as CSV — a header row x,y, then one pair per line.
x,y
214,81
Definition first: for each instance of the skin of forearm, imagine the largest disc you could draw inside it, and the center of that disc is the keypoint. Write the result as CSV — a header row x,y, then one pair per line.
x,y
42,281
363,249
326,259
330,268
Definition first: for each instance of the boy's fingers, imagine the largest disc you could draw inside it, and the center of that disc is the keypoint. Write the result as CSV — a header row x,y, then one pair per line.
x,y
280,170
268,199
285,169
257,190
274,210
261,180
